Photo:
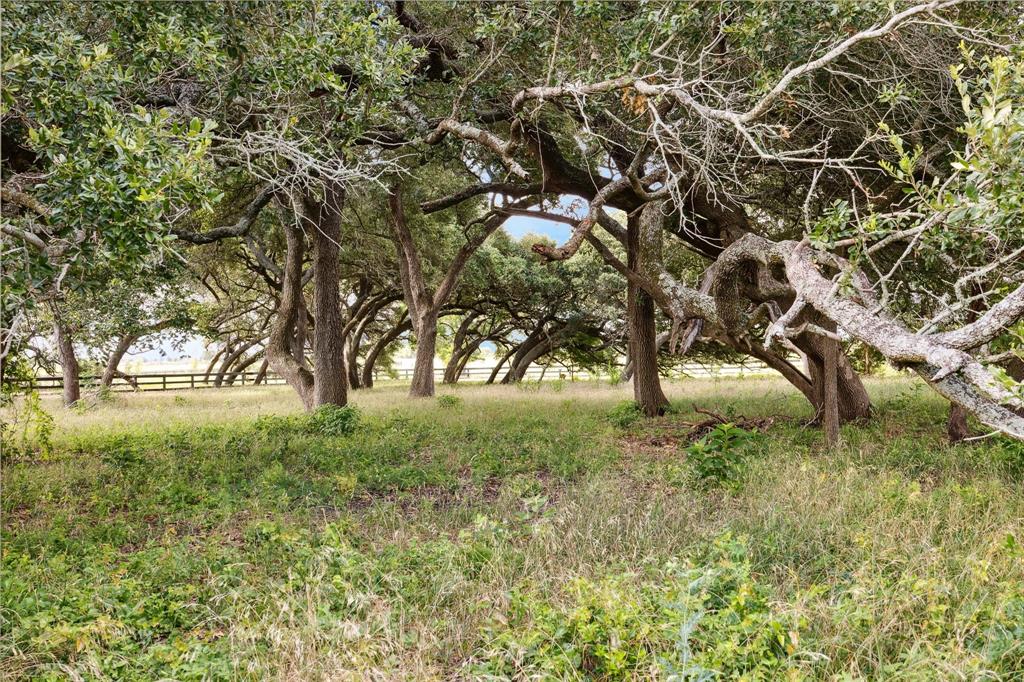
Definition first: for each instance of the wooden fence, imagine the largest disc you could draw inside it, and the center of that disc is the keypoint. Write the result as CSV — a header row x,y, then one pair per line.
x,y
172,381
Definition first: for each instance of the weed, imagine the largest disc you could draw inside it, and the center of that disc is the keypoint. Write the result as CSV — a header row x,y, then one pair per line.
x,y
718,459
331,420
625,414
449,401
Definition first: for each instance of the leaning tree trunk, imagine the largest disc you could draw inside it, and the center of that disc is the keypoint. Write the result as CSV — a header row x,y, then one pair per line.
x,y
282,331
463,360
499,365
459,345
453,369
261,375
240,366
110,370
426,347
643,244
229,361
382,343
330,387
68,360
522,362
213,363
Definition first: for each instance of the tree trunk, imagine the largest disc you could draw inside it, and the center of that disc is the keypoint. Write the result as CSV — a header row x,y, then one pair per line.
x,y
463,360
382,343
426,347
352,359
301,333
521,363
213,363
110,370
261,375
229,360
454,366
330,386
957,428
627,369
282,332
499,365
240,366
642,244
423,305
68,360
853,398
830,393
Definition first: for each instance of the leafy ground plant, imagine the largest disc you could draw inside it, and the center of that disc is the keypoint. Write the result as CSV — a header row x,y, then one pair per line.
x,y
719,458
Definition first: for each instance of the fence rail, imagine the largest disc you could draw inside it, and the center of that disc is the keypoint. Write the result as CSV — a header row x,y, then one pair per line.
x,y
173,381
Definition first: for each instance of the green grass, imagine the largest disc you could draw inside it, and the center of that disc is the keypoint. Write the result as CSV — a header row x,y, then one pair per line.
x,y
523,533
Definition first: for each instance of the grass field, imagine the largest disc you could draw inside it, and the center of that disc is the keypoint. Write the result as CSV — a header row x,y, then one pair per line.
x,y
510,533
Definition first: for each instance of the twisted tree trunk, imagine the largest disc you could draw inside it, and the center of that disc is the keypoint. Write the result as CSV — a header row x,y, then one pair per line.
x,y
280,354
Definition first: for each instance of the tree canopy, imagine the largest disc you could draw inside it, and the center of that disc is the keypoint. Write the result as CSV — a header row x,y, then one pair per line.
x,y
774,180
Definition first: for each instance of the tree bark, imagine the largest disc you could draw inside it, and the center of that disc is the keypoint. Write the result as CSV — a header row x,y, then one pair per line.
x,y
467,355
301,333
282,332
627,369
68,361
426,347
853,399
830,393
229,360
213,363
424,306
261,375
957,428
240,366
330,386
527,356
642,245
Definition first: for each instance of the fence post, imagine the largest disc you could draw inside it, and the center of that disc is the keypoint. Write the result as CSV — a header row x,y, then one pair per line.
x,y
191,380
164,377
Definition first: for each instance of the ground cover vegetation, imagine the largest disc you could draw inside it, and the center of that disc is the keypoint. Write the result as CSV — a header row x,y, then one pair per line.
x,y
542,538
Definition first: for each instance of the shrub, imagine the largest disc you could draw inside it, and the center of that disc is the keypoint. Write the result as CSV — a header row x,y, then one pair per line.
x,y
625,414
684,622
332,420
718,459
449,401
29,429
